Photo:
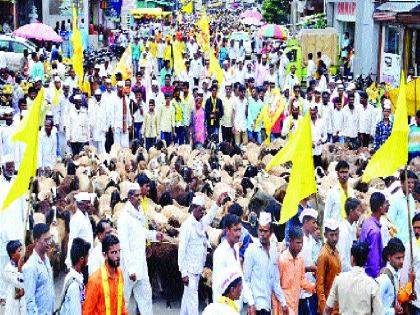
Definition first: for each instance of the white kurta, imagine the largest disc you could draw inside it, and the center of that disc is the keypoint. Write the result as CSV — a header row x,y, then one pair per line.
x,y
219,309
80,226
133,235
47,149
77,128
98,120
13,279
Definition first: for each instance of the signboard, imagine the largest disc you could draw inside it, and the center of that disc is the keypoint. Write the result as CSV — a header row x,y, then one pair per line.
x,y
391,69
346,11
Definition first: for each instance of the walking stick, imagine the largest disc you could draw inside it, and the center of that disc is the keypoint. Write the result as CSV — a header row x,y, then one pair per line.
x,y
28,209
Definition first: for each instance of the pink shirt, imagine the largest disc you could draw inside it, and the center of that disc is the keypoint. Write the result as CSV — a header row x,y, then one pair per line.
x,y
199,134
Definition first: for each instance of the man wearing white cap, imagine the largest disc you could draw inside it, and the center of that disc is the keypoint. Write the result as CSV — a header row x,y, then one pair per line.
x,y
80,225
384,127
261,271
308,219
351,122
319,134
77,126
192,251
7,146
72,80
156,94
133,234
281,76
12,218
231,288
98,121
52,94
47,147
122,117
60,114
226,122
329,263
261,71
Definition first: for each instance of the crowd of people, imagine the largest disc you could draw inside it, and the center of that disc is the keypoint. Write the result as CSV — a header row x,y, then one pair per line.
x,y
340,259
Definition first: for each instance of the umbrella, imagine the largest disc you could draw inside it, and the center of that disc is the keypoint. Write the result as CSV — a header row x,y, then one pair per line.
x,y
251,21
239,36
251,14
273,30
38,31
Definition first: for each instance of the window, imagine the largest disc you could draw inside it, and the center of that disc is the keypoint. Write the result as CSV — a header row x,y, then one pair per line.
x,y
4,45
392,40
18,47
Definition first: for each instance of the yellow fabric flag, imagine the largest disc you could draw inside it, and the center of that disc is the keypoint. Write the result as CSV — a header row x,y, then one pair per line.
x,y
188,8
215,69
393,154
203,25
125,65
179,64
77,57
302,176
268,117
412,93
27,132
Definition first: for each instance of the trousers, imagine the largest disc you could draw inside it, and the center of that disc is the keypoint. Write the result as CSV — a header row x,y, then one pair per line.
x,y
142,294
121,138
189,302
99,145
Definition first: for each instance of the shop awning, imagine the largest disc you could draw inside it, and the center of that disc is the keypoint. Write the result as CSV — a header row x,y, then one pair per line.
x,y
399,7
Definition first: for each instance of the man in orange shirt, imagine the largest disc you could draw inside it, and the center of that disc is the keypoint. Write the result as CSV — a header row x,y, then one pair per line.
x,y
105,288
329,264
292,274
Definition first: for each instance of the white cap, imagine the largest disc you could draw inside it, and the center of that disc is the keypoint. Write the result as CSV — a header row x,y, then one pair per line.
x,y
198,201
313,106
98,92
351,86
200,91
318,89
66,84
331,224
97,67
82,196
8,110
7,159
331,81
228,279
308,212
387,104
57,79
38,78
265,218
340,86
108,81
226,62
120,84
133,186
155,82
264,56
77,97
49,113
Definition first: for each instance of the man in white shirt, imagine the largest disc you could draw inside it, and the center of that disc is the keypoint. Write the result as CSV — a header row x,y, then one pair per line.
x,y
72,80
156,94
319,134
311,69
351,122
47,147
121,118
77,126
292,78
228,101
308,219
192,251
239,117
98,121
367,120
73,294
196,69
80,225
133,235
226,256
60,114
347,229
338,194
96,258
261,271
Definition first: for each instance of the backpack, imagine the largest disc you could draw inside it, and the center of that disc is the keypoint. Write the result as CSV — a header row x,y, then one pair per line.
x,y
388,272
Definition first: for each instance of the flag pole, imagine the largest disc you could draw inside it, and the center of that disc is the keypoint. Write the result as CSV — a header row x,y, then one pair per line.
x,y
28,209
410,227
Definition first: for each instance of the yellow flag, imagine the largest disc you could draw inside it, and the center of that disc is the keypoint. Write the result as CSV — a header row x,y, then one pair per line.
x,y
302,176
203,25
188,8
125,65
215,69
77,57
268,117
412,94
393,154
179,64
27,132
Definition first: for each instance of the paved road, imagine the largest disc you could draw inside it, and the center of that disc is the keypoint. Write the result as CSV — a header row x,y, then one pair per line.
x,y
159,306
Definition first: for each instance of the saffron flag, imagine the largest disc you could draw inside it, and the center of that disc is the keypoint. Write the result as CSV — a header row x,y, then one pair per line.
x,y
77,57
27,132
412,96
188,8
215,69
125,65
203,25
393,154
302,176
270,117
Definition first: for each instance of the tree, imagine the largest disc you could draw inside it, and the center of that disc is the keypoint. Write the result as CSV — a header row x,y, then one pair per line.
x,y
276,11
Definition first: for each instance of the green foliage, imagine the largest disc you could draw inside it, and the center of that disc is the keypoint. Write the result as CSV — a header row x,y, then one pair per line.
x,y
276,11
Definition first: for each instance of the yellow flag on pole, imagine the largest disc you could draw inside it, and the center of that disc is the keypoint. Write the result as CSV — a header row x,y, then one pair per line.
x,y
187,8
215,69
179,64
302,176
125,65
27,132
393,154
77,57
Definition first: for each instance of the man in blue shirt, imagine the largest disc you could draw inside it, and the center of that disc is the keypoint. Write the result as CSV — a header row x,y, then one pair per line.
x,y
38,275
383,128
135,55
